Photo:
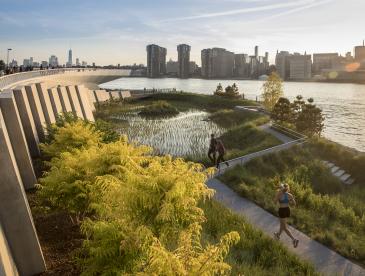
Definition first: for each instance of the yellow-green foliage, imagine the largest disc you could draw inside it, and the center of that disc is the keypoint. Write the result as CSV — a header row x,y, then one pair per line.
x,y
140,213
71,136
272,91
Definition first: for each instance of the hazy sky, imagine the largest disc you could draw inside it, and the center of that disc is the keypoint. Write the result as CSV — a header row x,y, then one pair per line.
x,y
112,32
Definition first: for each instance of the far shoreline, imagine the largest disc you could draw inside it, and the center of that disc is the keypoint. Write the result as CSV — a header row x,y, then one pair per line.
x,y
245,79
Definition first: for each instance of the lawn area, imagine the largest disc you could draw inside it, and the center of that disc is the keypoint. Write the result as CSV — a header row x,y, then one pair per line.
x,y
327,211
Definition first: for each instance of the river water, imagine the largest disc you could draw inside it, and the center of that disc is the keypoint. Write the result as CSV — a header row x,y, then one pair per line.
x,y
343,105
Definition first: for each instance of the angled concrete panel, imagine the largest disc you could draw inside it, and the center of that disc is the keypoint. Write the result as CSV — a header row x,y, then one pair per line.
x,y
102,95
92,99
27,120
46,103
82,94
74,101
55,101
125,94
17,137
15,215
65,102
37,111
7,265
115,95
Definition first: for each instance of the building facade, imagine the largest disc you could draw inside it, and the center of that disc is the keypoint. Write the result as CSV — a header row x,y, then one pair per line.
x,y
172,67
300,67
69,61
183,52
323,61
217,63
156,61
53,61
282,64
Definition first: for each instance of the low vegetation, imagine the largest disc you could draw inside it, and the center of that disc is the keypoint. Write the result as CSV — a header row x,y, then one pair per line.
x,y
148,214
242,134
229,91
327,210
159,109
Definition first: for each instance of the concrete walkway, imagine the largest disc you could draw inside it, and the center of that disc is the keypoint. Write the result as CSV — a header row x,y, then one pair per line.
x,y
280,136
324,260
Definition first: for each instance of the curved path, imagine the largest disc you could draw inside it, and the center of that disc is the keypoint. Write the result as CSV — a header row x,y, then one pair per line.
x,y
325,260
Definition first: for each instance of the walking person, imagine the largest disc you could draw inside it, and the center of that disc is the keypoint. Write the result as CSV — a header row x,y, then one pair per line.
x,y
284,199
212,148
221,151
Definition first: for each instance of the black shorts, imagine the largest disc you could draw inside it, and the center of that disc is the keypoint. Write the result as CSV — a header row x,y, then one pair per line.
x,y
284,212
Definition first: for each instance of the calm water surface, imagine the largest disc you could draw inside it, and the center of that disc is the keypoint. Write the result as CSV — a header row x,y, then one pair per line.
x,y
343,104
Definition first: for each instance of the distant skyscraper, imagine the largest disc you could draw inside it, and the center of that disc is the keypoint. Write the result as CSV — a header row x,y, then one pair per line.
x,y
69,62
217,63
156,61
44,64
26,62
300,67
257,52
53,61
282,64
78,62
172,67
324,61
183,51
31,61
241,66
360,54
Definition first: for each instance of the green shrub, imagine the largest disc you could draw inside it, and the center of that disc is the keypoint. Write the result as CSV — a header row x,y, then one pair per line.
x,y
159,108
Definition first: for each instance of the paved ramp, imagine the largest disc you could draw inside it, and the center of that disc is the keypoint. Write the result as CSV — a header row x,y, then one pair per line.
x,y
325,260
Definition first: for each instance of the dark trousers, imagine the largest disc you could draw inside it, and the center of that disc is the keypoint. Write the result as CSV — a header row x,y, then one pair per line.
x,y
212,156
220,159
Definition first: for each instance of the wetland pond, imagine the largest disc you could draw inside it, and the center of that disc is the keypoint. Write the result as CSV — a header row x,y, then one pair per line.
x,y
184,135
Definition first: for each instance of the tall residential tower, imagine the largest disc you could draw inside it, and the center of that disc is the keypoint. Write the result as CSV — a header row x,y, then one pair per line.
x,y
183,51
156,61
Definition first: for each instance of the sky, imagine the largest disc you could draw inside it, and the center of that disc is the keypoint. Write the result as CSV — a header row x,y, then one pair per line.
x,y
117,31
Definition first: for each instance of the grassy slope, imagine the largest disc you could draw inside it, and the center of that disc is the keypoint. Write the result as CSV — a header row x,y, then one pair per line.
x,y
255,254
327,210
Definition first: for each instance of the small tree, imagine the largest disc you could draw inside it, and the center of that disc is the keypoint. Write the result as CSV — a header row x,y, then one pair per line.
x,y
272,91
219,89
297,107
2,65
310,119
282,112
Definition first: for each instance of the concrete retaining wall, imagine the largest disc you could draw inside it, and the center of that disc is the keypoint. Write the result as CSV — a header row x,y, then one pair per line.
x,y
25,111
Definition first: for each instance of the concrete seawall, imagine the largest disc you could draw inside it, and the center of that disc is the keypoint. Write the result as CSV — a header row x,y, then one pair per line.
x,y
25,112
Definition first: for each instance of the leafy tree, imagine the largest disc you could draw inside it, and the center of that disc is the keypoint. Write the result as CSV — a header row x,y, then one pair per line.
x,y
310,119
2,65
272,91
235,88
297,107
282,112
219,89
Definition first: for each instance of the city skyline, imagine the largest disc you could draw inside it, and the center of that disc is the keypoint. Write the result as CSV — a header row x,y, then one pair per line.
x,y
112,33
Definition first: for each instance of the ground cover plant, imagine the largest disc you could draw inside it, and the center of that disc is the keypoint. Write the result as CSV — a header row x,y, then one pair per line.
x,y
159,108
327,210
146,214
